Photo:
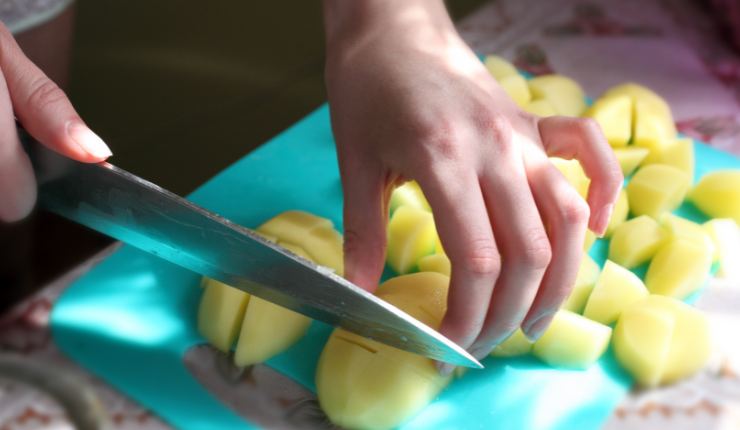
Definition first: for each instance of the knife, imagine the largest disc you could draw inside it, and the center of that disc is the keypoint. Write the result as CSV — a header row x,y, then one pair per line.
x,y
128,208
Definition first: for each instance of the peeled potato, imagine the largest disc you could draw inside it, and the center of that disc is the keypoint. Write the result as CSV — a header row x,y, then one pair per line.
x,y
653,123
679,268
629,158
573,173
589,240
614,115
540,107
363,384
636,241
681,228
411,236
498,67
656,189
661,340
516,87
572,341
616,289
409,194
725,234
678,153
718,194
438,263
563,93
619,214
220,313
515,345
588,273
642,341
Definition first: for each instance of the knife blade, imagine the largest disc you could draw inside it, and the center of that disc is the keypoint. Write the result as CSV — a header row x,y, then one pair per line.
x,y
119,204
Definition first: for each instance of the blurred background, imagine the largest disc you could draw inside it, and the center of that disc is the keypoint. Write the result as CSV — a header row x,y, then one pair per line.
x,y
178,89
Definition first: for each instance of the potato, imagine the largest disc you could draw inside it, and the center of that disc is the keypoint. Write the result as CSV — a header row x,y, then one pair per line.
x,y
409,194
363,384
572,341
515,345
636,241
263,328
656,189
653,123
588,273
718,194
629,158
589,240
498,67
563,93
616,289
642,341
679,153
438,263
725,234
220,313
316,235
661,340
677,227
411,236
679,268
540,107
516,87
619,214
267,330
614,115
573,173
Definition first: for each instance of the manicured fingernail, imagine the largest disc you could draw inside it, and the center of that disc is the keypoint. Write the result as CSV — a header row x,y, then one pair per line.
x,y
88,141
444,369
538,327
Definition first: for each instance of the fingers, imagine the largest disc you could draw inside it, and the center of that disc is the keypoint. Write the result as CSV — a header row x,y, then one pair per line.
x,y
43,108
582,139
365,219
467,236
17,183
566,215
524,246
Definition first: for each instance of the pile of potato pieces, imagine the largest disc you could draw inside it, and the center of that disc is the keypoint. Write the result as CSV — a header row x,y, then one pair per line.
x,y
606,306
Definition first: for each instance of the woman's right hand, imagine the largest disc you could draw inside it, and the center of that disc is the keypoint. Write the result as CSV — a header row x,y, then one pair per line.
x,y
43,109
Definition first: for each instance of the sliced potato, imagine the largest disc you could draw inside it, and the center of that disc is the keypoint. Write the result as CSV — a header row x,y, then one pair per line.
x,y
656,189
679,268
438,263
572,341
563,93
718,194
616,289
220,313
411,236
630,158
614,115
619,214
679,153
515,345
636,241
588,273
409,194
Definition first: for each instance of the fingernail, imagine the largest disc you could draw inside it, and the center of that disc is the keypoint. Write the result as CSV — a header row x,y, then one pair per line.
x,y
444,369
604,215
88,141
538,327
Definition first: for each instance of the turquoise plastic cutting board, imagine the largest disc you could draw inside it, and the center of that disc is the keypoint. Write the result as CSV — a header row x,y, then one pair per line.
x,y
131,319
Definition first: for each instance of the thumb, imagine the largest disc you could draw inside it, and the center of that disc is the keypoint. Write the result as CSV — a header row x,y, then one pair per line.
x,y
44,109
365,218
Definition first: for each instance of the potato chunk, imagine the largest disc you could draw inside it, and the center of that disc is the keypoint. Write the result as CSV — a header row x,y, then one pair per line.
x,y
563,93
718,194
630,158
660,340
515,345
498,67
588,273
679,268
636,241
619,214
438,263
678,153
656,189
572,341
411,236
725,234
614,115
616,289
220,313
409,194
516,87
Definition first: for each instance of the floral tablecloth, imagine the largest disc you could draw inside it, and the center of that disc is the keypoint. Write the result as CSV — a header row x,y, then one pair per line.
x,y
668,45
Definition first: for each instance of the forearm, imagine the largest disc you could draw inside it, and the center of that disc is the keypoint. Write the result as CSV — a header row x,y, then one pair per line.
x,y
357,22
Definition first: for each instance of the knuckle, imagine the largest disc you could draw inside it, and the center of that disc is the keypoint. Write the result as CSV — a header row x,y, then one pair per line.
x,y
494,125
574,210
441,139
537,250
482,258
44,94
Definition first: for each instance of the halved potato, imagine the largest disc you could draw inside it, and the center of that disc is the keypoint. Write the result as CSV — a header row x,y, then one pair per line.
x,y
220,313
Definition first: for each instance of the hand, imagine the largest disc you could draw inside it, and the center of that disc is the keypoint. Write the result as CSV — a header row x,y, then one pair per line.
x,y
46,113
410,100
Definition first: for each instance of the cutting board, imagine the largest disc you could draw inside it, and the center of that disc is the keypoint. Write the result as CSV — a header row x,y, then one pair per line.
x,y
131,319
